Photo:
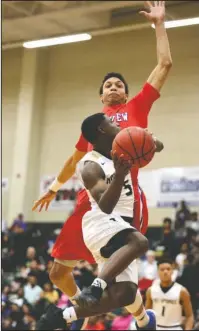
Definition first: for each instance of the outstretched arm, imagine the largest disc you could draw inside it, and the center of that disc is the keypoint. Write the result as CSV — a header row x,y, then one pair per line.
x,y
65,174
156,15
69,167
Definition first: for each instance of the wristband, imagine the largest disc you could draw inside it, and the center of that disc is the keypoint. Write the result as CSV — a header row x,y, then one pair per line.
x,y
55,186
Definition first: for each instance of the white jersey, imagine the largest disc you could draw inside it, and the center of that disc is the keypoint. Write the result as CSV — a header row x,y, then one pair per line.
x,y
98,227
167,306
125,204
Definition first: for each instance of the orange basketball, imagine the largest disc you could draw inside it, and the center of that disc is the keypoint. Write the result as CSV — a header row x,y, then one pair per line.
x,y
135,144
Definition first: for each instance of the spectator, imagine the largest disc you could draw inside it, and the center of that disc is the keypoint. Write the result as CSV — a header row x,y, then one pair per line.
x,y
194,249
181,257
30,254
16,316
7,252
176,272
193,223
49,293
5,293
32,291
189,279
19,221
7,324
20,299
168,240
122,322
149,267
39,271
183,214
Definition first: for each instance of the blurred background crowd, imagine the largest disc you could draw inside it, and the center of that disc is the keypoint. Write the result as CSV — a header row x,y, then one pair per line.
x,y
26,261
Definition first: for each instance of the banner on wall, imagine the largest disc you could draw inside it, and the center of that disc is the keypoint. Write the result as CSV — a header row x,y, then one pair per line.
x,y
4,184
166,187
66,196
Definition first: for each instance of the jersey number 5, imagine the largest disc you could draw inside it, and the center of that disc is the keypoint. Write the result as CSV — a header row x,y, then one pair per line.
x,y
128,188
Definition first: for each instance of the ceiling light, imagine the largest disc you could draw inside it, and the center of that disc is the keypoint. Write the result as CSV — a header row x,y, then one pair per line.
x,y
57,40
178,23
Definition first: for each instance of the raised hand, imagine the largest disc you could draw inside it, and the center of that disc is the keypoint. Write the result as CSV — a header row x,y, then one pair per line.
x,y
122,167
44,201
156,11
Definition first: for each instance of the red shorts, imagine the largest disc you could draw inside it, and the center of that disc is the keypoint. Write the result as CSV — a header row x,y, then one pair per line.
x,y
70,244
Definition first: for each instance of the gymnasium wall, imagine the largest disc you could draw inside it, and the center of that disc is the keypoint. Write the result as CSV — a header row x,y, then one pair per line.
x,y
73,77
11,68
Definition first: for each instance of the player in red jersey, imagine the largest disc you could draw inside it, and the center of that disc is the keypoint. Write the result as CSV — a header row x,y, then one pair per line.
x,y
69,246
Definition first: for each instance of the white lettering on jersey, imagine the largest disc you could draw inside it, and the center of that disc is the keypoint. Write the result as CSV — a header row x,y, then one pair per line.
x,y
120,117
167,305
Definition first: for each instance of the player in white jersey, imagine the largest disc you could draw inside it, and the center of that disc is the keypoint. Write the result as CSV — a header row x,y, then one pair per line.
x,y
169,300
114,243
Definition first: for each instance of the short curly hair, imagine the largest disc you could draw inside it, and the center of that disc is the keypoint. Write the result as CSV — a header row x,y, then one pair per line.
x,y
116,75
90,127
164,260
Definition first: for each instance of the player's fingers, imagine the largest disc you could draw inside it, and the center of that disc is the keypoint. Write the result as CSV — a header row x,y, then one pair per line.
x,y
47,205
148,4
36,204
34,207
42,205
156,3
114,156
128,164
121,159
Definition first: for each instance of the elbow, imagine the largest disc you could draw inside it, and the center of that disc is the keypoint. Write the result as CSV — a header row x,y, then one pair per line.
x,y
166,63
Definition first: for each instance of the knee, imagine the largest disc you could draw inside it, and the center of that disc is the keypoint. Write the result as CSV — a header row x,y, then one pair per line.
x,y
144,245
139,243
127,295
55,273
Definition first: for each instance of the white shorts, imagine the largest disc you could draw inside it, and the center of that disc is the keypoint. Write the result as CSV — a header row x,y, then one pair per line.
x,y
98,229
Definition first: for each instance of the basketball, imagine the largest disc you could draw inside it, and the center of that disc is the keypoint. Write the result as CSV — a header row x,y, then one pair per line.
x,y
136,144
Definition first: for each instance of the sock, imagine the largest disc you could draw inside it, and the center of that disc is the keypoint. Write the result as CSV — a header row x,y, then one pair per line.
x,y
72,299
142,319
69,315
98,282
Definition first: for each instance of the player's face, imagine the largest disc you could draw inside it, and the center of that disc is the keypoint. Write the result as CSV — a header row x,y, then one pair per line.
x,y
165,272
114,92
110,128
